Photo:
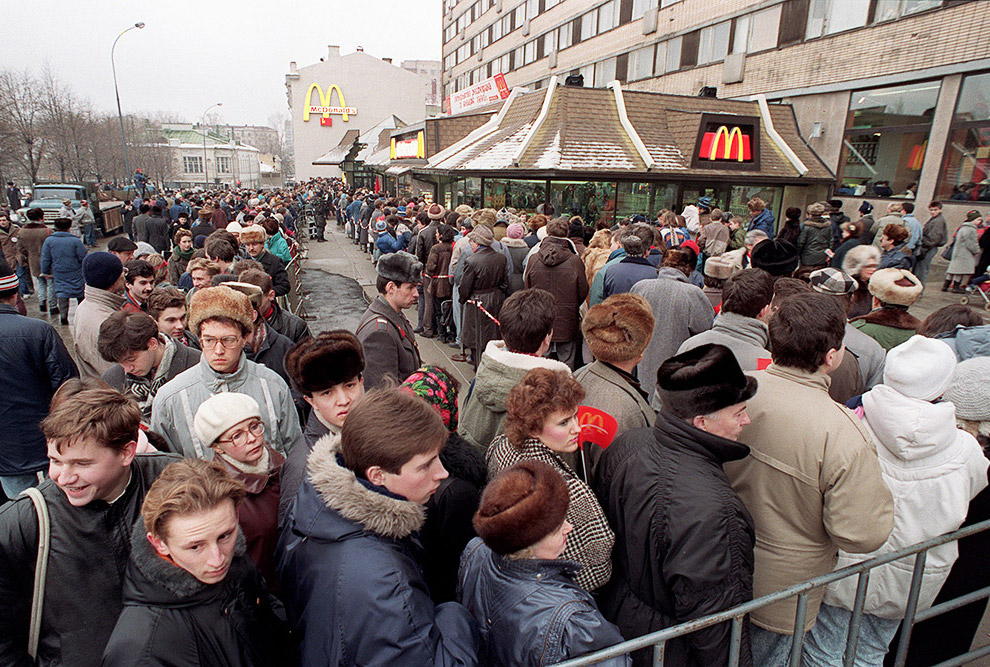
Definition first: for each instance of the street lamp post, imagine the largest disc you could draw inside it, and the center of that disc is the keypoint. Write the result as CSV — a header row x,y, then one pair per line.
x,y
120,116
203,126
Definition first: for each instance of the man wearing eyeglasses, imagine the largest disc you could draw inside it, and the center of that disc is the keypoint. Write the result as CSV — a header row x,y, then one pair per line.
x,y
222,318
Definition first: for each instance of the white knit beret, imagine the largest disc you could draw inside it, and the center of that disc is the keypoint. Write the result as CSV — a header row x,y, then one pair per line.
x,y
970,389
221,411
920,367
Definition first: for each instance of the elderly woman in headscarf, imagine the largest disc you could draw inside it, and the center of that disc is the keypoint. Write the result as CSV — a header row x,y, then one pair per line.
x,y
449,512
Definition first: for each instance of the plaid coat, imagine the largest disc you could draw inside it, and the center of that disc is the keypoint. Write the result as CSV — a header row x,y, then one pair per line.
x,y
590,543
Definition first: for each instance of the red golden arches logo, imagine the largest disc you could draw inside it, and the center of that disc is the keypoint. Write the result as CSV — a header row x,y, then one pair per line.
x,y
726,144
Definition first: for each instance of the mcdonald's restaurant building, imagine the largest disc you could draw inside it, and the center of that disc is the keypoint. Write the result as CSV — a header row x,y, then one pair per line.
x,y
355,92
609,153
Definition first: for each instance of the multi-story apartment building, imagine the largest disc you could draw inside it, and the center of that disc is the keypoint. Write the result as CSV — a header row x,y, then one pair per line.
x,y
894,95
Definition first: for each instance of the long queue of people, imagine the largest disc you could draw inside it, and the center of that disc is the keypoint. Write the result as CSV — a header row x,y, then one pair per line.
x,y
329,499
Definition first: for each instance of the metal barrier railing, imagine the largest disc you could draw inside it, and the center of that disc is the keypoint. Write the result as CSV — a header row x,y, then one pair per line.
x,y
658,639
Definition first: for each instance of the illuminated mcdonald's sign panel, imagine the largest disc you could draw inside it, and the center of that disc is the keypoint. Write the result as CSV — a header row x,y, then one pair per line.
x,y
413,147
325,108
727,142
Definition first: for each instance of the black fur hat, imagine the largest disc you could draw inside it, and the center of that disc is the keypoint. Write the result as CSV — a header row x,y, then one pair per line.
x,y
400,267
330,358
702,381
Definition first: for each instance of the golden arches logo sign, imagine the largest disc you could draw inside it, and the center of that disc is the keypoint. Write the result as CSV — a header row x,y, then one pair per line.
x,y
324,107
733,143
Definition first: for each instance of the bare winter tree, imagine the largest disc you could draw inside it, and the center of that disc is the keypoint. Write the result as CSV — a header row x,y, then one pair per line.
x,y
23,120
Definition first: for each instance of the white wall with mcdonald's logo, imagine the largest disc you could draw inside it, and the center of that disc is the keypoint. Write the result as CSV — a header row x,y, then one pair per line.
x,y
355,91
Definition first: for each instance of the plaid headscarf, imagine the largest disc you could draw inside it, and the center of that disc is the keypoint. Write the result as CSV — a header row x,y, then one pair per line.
x,y
435,386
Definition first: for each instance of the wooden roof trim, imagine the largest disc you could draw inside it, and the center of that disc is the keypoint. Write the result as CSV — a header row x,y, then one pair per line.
x,y
538,123
788,152
620,105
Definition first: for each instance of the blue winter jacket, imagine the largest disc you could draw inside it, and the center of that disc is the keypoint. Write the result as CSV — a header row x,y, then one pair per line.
x,y
351,580
61,257
530,611
763,221
387,243
33,364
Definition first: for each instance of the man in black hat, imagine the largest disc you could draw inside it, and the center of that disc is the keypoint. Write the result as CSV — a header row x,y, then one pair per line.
x,y
664,487
385,333
123,248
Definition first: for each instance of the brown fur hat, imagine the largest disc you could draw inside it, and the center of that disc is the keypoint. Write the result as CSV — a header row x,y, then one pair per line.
x,y
619,328
898,287
220,302
332,357
520,506
253,234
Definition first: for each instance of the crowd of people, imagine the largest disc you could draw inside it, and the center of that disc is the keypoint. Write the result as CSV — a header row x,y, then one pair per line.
x,y
204,481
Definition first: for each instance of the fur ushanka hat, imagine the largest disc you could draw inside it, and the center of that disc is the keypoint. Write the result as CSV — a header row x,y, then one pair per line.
x,y
400,267
702,381
318,363
520,506
898,287
220,301
253,234
619,328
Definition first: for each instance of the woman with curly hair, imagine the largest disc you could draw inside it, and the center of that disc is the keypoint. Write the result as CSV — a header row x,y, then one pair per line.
x,y
541,425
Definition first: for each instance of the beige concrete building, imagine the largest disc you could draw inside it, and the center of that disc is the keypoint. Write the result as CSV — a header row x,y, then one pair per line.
x,y
894,95
341,94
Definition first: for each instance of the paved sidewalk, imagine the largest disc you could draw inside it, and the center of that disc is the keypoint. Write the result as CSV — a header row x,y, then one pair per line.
x,y
340,256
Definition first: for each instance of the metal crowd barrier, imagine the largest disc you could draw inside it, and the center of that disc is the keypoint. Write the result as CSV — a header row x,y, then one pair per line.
x,y
659,639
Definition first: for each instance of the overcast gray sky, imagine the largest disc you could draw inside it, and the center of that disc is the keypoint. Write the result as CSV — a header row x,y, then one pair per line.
x,y
194,53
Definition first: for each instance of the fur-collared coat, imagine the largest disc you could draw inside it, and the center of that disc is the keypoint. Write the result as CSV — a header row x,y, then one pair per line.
x,y
172,618
351,578
888,326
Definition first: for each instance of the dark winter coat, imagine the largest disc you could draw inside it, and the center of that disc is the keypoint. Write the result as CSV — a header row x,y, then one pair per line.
x,y
351,579
815,238
556,269
34,362
90,549
61,257
517,250
271,353
158,233
389,344
294,468
530,611
449,513
289,325
629,271
438,264
171,618
763,221
485,279
257,514
274,267
201,228
684,538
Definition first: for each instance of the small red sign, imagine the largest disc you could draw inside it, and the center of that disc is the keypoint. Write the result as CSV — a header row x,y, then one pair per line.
x,y
597,426
326,122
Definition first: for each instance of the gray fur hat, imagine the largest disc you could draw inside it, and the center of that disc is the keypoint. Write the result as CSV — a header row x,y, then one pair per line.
x,y
400,267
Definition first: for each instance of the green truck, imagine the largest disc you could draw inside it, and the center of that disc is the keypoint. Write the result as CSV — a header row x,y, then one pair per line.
x,y
49,196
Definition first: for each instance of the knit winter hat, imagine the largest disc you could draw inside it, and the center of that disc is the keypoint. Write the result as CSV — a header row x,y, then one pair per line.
x,y
435,386
235,227
482,235
435,212
318,363
619,328
972,215
502,215
253,234
969,389
515,231
144,248
520,506
920,367
220,301
464,209
381,225
898,287
865,208
222,411
101,269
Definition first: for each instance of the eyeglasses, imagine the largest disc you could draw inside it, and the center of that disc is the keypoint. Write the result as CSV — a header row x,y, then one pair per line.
x,y
239,439
209,342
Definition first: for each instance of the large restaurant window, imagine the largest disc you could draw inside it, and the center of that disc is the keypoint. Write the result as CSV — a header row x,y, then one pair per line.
x,y
632,199
886,138
594,201
519,194
457,191
740,194
966,172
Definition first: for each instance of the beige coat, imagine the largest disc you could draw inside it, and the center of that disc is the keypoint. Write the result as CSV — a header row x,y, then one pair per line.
x,y
813,485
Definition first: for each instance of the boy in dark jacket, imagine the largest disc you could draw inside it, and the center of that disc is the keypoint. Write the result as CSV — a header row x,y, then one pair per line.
x,y
683,538
348,563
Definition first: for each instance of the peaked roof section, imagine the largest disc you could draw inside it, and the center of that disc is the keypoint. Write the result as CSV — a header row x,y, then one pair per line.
x,y
369,138
339,153
583,133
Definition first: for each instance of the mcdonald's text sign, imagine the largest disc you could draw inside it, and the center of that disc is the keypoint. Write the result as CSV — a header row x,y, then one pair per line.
x,y
325,106
727,142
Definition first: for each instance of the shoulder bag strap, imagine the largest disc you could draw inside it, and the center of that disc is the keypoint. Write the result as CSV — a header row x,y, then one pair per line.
x,y
40,568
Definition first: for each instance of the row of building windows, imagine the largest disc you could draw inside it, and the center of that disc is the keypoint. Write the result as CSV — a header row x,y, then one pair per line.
x,y
193,164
